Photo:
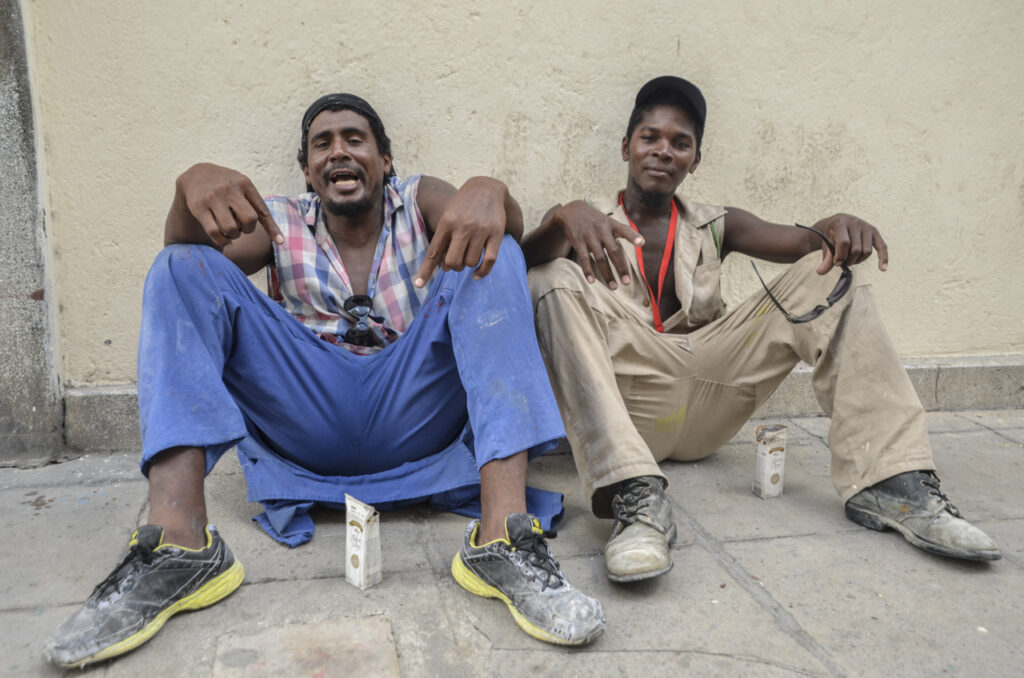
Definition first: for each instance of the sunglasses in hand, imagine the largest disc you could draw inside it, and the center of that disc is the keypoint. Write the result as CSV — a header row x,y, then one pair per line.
x,y
837,293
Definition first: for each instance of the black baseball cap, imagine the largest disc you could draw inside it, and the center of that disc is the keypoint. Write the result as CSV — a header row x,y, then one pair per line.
x,y
671,89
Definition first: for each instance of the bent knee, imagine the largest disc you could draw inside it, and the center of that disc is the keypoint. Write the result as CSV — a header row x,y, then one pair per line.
x,y
186,254
558,274
186,261
509,255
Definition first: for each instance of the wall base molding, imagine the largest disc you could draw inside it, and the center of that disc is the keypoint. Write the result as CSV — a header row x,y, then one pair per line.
x,y
105,418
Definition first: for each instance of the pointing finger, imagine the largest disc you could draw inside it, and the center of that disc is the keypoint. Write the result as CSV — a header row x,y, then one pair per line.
x,y
883,251
435,252
263,214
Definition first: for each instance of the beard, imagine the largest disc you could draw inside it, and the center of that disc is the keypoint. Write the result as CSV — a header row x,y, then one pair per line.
x,y
349,209
652,200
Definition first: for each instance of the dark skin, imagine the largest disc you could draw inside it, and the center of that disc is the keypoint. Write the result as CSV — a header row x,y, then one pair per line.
x,y
661,152
222,208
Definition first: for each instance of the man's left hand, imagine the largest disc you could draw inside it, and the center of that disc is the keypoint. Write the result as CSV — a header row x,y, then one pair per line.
x,y
469,231
854,240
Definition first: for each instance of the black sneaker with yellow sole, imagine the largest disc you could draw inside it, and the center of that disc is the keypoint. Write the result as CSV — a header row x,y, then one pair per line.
x,y
151,583
519,571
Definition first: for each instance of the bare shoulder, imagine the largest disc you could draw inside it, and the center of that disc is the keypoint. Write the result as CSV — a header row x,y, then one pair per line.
x,y
432,189
432,197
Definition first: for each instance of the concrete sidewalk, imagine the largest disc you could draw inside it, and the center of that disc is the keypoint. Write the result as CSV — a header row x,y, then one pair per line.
x,y
780,587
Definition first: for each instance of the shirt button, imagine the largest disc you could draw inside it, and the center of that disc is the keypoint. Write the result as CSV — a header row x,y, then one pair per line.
x,y
647,302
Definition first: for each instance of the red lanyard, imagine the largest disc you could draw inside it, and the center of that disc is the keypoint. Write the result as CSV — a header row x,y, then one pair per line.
x,y
666,257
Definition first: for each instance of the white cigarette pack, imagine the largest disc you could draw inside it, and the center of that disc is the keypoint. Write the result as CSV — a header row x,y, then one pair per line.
x,y
362,544
770,460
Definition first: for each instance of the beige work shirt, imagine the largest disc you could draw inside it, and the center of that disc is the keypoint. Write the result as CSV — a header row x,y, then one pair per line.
x,y
697,267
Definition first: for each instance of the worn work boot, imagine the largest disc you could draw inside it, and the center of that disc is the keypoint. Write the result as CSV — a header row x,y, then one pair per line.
x,y
152,582
519,571
638,547
912,504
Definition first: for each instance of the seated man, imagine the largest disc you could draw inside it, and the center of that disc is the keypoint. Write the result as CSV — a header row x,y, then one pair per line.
x,y
372,373
649,366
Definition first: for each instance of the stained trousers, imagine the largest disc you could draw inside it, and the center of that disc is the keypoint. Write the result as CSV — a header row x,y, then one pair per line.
x,y
219,361
631,397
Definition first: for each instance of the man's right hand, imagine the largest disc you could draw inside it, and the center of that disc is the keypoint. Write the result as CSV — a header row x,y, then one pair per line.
x,y
219,203
593,235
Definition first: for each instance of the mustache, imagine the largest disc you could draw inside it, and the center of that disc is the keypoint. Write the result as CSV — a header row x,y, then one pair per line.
x,y
354,169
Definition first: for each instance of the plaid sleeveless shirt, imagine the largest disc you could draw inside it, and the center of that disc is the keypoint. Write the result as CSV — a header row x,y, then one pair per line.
x,y
309,279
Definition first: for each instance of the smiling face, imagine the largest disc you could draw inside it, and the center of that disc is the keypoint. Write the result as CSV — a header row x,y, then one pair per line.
x,y
344,165
661,151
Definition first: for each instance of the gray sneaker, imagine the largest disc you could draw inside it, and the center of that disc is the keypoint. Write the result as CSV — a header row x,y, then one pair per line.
x,y
152,582
520,571
638,547
912,504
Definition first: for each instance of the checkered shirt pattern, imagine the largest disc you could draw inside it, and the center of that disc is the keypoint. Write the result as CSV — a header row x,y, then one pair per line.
x,y
309,279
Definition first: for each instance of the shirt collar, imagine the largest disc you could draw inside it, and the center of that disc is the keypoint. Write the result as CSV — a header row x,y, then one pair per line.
x,y
695,215
392,202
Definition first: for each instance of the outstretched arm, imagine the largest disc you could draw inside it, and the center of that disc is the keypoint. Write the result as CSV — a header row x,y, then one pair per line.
x,y
592,234
854,240
465,225
220,207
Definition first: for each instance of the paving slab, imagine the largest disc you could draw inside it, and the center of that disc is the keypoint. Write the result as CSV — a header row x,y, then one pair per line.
x,y
779,587
718,489
686,611
60,541
22,634
981,472
883,609
996,419
348,647
1015,435
1009,534
90,469
945,422
938,422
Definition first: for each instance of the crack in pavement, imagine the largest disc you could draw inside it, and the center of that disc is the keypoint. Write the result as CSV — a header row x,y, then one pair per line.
x,y
635,651
786,621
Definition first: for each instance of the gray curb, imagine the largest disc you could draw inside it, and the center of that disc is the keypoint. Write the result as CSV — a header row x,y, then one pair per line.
x,y
100,419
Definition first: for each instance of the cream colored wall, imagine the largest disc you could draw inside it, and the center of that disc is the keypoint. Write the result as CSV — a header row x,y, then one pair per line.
x,y
908,114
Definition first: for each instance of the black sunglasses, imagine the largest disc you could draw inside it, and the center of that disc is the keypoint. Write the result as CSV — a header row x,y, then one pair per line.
x,y
837,293
359,333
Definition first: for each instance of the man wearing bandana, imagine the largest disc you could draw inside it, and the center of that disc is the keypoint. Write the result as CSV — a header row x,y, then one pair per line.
x,y
395,360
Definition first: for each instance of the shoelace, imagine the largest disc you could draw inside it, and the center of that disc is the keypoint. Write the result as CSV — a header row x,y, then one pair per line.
x,y
535,551
931,481
138,555
632,500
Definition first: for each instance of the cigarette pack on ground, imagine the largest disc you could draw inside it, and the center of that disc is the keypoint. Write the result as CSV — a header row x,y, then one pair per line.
x,y
362,544
770,461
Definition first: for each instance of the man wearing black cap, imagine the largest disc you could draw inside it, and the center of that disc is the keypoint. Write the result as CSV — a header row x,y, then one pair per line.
x,y
647,365
395,360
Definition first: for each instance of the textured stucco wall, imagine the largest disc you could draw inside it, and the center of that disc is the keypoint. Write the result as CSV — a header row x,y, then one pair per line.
x,y
30,413
907,114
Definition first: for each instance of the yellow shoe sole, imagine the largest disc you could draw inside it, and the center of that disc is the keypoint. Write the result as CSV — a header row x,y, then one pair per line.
x,y
468,580
213,591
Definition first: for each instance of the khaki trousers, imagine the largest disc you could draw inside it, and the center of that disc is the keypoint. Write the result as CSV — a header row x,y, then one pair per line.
x,y
631,397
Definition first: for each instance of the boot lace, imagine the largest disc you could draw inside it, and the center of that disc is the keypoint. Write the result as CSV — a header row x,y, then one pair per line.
x,y
931,481
633,500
